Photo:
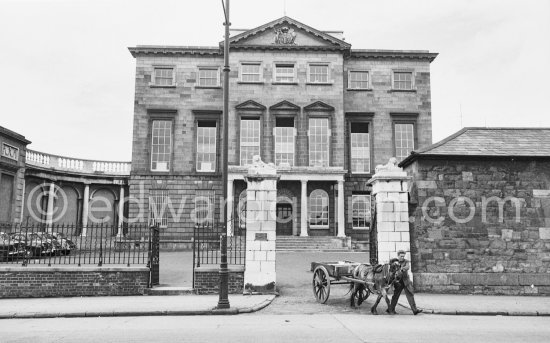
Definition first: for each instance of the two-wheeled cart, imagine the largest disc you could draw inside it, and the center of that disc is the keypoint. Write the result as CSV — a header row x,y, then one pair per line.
x,y
326,274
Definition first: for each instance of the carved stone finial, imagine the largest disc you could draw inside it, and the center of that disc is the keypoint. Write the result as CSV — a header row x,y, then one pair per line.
x,y
261,168
390,166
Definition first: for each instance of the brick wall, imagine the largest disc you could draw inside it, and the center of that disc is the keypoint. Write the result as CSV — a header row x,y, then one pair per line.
x,y
39,282
501,252
207,280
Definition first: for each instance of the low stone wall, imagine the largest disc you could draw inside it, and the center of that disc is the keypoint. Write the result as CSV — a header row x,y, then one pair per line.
x,y
483,283
40,282
207,280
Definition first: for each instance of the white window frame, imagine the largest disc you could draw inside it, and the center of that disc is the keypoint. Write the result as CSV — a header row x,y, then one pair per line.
x,y
353,148
278,147
367,218
311,132
321,195
158,207
320,64
154,76
288,64
260,72
168,145
411,72
408,148
357,71
249,144
216,69
200,164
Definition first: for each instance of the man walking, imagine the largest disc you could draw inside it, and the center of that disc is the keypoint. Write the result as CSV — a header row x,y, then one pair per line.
x,y
404,284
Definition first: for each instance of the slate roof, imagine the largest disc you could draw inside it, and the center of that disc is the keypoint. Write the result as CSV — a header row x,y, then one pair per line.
x,y
482,141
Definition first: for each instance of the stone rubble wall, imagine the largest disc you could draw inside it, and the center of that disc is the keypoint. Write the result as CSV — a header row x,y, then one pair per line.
x,y
480,253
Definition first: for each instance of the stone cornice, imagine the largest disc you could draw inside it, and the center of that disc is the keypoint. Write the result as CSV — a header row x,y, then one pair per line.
x,y
14,135
238,47
393,54
175,50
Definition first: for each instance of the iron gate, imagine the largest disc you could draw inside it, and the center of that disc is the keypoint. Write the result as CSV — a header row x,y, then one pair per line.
x,y
373,234
154,258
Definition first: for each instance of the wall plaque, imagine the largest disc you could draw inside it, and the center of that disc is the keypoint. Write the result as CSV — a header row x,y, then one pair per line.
x,y
10,152
261,236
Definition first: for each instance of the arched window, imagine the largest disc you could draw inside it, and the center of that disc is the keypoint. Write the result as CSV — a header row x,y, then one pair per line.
x,y
318,208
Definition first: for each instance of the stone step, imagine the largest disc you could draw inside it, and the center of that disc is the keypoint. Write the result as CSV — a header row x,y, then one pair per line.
x,y
315,243
165,290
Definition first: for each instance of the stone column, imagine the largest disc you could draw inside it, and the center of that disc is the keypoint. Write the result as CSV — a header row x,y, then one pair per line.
x,y
303,220
341,214
230,208
85,205
120,211
390,190
49,210
261,193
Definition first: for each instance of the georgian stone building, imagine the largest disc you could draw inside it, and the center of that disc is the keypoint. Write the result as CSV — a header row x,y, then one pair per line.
x,y
325,114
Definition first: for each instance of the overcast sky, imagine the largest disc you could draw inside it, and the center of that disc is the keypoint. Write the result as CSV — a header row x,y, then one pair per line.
x,y
68,78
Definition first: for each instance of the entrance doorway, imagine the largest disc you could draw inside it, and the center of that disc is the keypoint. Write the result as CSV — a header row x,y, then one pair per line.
x,y
284,219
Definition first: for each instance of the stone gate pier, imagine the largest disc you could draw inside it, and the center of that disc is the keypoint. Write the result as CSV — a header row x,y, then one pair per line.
x,y
261,201
390,191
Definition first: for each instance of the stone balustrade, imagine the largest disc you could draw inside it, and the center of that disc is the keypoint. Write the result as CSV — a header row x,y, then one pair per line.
x,y
62,163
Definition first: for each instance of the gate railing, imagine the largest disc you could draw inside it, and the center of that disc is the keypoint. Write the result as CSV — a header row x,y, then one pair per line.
x,y
95,244
206,245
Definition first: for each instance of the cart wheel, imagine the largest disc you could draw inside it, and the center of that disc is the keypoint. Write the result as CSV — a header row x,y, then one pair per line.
x,y
361,295
321,284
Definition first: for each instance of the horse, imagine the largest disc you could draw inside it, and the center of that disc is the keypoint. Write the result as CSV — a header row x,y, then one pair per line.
x,y
378,280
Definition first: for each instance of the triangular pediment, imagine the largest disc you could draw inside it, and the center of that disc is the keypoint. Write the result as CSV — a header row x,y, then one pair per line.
x,y
319,106
284,106
286,32
250,105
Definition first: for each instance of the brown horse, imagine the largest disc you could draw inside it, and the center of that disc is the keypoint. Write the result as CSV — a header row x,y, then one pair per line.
x,y
378,280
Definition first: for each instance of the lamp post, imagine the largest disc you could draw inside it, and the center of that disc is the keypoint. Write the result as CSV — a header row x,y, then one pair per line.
x,y
223,301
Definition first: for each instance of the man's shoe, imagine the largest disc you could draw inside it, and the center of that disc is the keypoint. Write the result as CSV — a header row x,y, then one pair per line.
x,y
417,312
390,312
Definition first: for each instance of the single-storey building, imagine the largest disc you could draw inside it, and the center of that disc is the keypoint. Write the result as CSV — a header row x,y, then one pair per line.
x,y
480,212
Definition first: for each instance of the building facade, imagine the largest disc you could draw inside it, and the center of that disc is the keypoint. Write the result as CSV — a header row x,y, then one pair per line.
x,y
300,98
12,175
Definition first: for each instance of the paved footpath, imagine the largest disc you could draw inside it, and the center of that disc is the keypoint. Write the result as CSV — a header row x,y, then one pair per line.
x,y
454,304
129,306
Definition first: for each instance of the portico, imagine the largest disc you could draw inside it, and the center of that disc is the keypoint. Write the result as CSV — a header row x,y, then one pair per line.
x,y
324,217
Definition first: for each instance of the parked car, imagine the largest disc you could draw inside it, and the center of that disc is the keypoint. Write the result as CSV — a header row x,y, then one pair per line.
x,y
35,245
66,243
57,247
11,248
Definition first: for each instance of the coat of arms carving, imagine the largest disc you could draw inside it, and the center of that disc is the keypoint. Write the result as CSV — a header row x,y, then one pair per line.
x,y
284,35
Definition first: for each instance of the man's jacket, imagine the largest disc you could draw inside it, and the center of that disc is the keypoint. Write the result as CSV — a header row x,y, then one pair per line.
x,y
406,269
